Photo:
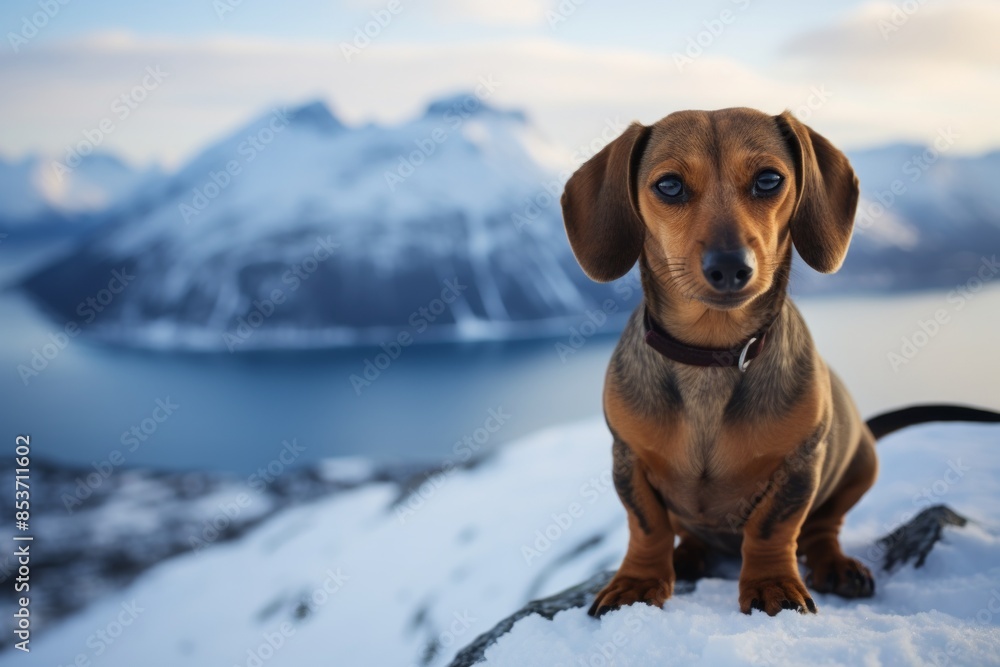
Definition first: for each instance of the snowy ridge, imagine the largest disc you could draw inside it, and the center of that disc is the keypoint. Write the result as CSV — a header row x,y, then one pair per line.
x,y
107,529
37,193
367,577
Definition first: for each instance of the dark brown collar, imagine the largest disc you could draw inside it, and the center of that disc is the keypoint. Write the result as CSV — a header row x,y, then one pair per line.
x,y
738,357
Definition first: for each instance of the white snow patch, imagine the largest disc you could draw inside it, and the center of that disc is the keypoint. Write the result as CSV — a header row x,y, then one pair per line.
x,y
379,584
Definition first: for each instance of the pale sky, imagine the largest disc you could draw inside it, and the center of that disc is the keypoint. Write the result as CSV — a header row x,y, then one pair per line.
x,y
863,73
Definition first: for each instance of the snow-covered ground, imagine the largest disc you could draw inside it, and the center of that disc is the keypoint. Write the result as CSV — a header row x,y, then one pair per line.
x,y
945,613
354,579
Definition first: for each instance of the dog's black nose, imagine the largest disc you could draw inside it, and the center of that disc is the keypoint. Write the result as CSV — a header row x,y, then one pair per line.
x,y
728,270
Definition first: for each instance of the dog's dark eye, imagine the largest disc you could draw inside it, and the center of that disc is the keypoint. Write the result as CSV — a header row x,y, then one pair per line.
x,y
767,182
671,187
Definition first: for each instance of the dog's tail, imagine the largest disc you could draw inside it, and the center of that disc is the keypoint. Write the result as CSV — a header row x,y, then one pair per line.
x,y
888,422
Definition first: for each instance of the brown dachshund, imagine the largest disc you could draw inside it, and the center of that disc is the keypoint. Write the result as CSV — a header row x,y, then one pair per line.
x,y
729,430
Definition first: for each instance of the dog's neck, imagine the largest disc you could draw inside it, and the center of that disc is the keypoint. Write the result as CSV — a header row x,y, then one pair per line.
x,y
692,322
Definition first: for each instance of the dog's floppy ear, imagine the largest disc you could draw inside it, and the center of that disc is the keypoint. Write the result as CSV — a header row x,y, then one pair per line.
x,y
827,196
600,209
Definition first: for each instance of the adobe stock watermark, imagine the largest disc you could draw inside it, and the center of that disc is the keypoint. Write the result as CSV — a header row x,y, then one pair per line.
x,y
322,594
105,636
87,310
264,308
900,15
927,329
580,333
228,512
555,16
420,321
594,320
607,654
932,493
131,440
951,652
871,211
988,611
222,8
451,121
549,193
817,98
713,29
777,653
800,457
456,627
463,450
33,24
928,495
247,151
562,522
271,642
277,638
365,34
121,108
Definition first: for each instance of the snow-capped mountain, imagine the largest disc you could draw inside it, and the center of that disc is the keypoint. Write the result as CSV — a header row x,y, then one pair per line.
x,y
298,231
926,220
39,193
366,570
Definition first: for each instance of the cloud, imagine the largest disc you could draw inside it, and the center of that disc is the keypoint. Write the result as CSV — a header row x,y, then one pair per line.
x,y
522,13
215,85
959,33
491,12
572,92
908,69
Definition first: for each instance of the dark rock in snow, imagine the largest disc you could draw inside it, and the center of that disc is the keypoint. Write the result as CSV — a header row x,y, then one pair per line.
x,y
577,596
917,537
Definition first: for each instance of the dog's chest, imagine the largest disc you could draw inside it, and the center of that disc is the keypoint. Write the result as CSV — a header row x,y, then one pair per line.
x,y
705,393
680,421
700,479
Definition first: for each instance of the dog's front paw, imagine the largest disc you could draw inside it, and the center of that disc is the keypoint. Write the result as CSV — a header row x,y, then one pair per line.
x,y
772,594
623,591
843,576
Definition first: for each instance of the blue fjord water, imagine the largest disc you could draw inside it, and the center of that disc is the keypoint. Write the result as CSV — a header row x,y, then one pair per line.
x,y
232,412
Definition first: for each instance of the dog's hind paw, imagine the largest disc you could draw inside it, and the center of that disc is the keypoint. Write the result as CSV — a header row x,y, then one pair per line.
x,y
690,561
842,576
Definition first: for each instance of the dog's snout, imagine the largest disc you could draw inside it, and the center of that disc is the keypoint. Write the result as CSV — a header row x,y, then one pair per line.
x,y
728,270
